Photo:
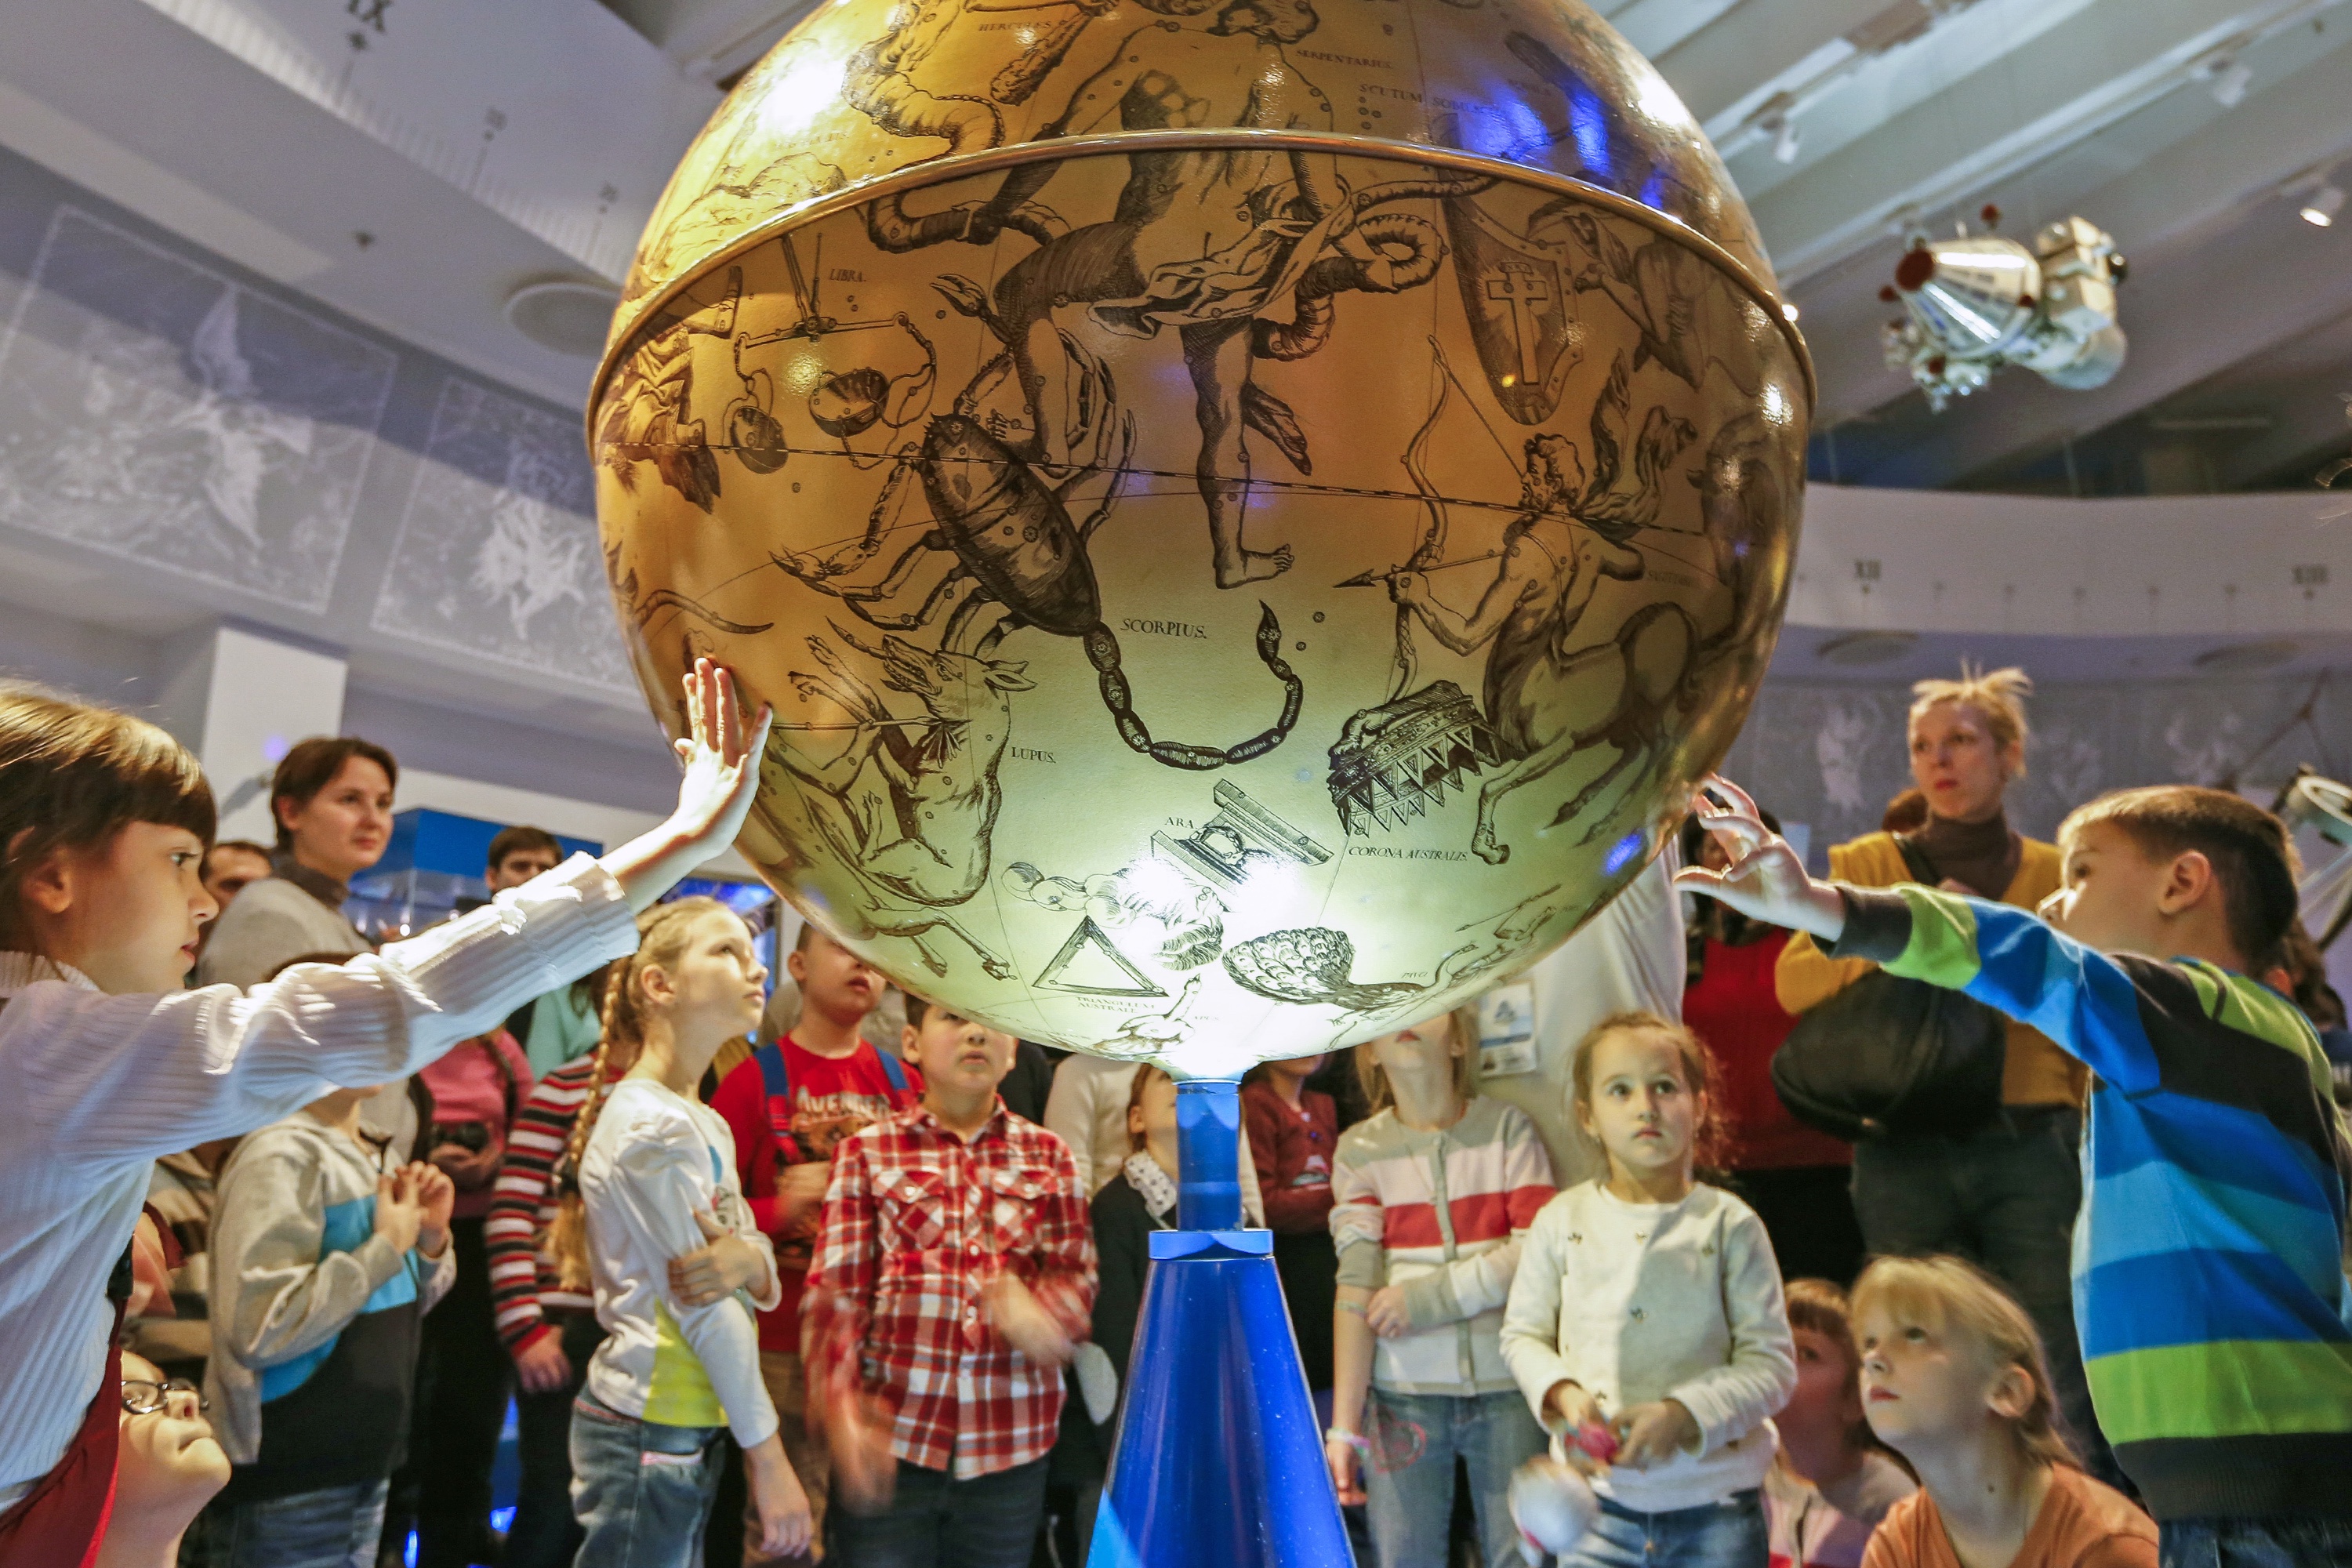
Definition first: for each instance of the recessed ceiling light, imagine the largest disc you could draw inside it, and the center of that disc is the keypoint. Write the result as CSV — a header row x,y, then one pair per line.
x,y
564,315
2247,657
1866,647
2320,211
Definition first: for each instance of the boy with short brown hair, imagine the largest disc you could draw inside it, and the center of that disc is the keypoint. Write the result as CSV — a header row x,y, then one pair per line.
x,y
2209,1270
953,1275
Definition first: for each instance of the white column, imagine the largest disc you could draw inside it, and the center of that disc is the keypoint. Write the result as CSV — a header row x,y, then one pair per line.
x,y
239,699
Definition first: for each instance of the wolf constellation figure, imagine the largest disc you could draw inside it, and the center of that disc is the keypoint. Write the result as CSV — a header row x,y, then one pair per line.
x,y
941,780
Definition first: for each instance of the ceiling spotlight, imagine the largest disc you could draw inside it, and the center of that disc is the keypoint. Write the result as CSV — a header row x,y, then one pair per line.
x,y
1785,142
2321,209
2229,83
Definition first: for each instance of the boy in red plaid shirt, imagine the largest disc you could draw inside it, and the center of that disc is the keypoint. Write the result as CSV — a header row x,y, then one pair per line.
x,y
954,1273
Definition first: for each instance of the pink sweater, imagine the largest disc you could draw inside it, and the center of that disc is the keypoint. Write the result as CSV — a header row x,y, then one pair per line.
x,y
468,1087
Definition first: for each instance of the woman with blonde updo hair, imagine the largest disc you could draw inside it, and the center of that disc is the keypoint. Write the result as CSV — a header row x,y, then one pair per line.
x,y
2003,1195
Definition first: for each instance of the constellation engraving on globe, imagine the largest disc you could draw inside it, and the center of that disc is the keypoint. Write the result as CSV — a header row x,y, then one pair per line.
x,y
1218,600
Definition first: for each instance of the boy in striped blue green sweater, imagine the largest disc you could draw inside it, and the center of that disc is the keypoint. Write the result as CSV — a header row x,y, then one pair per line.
x,y
2208,1258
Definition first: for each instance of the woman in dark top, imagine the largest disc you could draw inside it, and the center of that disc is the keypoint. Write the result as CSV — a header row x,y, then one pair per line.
x,y
1139,1200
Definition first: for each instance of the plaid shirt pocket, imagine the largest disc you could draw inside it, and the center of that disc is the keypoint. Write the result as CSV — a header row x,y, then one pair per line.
x,y
913,1207
1016,1198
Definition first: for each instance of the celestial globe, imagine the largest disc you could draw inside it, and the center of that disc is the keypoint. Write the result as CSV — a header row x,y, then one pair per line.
x,y
1252,518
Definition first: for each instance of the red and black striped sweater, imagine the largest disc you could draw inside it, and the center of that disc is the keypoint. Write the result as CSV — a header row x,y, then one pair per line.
x,y
523,1289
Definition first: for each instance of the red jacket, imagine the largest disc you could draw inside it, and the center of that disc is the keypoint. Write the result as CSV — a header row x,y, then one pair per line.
x,y
1733,1009
1293,1155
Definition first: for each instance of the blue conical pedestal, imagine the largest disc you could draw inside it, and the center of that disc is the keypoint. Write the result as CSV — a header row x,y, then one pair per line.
x,y
1219,1460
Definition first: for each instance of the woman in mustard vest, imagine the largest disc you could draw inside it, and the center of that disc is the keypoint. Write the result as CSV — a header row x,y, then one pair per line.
x,y
2004,1195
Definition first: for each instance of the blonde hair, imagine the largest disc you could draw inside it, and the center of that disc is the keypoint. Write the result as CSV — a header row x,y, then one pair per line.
x,y
1941,1294
1699,1076
1998,695
1462,1027
662,935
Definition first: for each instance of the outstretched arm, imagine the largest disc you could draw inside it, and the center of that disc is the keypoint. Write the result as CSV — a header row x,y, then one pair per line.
x,y
1521,572
2084,1001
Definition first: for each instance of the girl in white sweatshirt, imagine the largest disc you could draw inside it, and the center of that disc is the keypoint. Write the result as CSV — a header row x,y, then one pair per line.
x,y
1646,1318
659,1227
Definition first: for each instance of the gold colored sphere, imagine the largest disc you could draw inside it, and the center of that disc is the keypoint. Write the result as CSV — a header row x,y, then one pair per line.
x,y
1253,520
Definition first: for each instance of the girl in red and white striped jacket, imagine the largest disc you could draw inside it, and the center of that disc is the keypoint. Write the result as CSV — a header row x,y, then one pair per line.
x,y
1431,1196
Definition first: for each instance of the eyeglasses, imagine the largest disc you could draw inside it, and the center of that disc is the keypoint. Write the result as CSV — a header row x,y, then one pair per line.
x,y
141,1397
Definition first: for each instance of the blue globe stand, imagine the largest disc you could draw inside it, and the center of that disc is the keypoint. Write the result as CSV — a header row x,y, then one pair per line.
x,y
1218,1458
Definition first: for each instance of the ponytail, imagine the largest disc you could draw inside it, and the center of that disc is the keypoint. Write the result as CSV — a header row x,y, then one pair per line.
x,y
662,934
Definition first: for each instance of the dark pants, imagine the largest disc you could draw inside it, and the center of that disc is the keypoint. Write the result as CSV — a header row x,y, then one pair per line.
x,y
1808,1211
1309,1268
2004,1198
463,1376
937,1522
545,1533
2227,1543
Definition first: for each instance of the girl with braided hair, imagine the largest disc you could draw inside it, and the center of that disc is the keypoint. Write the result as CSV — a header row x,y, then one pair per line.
x,y
659,1230
547,1325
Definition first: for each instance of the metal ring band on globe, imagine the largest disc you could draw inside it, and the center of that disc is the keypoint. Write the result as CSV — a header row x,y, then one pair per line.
x,y
939,171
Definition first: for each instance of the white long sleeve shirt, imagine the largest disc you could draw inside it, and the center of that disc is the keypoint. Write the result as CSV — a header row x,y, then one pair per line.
x,y
1638,1302
655,1159
99,1087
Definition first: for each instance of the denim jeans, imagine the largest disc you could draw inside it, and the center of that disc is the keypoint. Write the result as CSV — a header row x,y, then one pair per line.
x,y
2004,1198
643,1492
1413,1440
335,1527
544,1533
1727,1534
935,1521
2323,1541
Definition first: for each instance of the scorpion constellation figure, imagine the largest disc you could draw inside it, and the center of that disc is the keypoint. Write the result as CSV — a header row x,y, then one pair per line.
x,y
1017,550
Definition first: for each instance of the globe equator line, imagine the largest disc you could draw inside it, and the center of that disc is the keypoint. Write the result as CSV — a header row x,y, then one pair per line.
x,y
944,169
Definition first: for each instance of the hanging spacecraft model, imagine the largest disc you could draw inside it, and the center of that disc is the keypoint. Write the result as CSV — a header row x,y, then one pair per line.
x,y
1976,302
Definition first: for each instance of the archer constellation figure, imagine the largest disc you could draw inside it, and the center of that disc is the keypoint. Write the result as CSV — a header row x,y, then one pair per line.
x,y
1569,535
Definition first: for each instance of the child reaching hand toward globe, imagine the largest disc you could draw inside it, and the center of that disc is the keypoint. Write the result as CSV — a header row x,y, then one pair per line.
x,y
104,820
1645,1321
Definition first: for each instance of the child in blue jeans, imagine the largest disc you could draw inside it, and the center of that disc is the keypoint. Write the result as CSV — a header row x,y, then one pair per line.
x,y
661,1228
1647,1305
2208,1259
327,1254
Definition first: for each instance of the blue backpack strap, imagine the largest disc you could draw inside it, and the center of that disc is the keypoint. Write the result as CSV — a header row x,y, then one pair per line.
x,y
776,1078
893,1070
772,1071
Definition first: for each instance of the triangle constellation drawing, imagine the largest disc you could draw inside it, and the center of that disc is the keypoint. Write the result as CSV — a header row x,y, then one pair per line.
x,y
1086,965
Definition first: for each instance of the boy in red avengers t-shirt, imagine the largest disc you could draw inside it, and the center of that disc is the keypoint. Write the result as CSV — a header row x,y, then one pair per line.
x,y
788,1107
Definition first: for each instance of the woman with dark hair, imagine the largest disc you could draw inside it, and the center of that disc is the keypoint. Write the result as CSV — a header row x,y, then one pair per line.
x,y
332,801
1796,1179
